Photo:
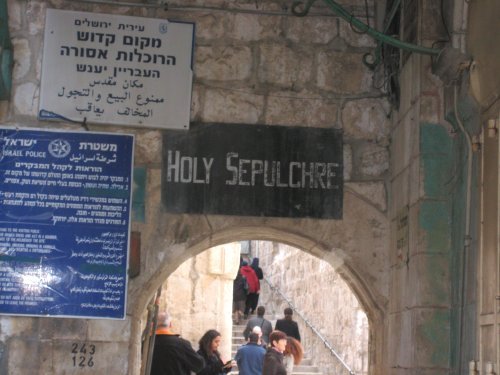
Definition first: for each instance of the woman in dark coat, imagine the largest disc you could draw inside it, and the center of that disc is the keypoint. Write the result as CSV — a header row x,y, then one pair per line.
x,y
273,360
214,365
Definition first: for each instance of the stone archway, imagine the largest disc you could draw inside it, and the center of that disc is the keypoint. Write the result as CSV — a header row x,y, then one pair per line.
x,y
189,235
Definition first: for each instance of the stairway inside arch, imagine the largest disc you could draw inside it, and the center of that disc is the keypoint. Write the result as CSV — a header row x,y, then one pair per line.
x,y
306,367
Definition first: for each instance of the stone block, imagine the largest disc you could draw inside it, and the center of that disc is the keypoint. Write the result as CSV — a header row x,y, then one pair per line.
x,y
401,145
35,17
373,192
435,222
14,8
148,147
347,158
400,283
429,280
22,356
223,63
431,343
70,329
22,58
209,25
342,73
311,30
108,330
365,119
293,70
26,97
355,39
416,185
300,109
399,193
371,160
233,106
400,348
90,357
252,27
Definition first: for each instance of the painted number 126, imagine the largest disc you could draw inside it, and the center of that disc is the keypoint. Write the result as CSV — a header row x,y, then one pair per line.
x,y
83,354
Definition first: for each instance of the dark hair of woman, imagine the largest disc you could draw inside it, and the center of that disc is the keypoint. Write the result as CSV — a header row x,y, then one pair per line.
x,y
206,341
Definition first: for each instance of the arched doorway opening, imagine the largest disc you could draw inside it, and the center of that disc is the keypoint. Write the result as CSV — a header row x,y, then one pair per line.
x,y
307,247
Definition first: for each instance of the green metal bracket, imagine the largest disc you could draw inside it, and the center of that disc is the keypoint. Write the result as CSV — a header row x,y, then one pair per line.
x,y
301,8
6,55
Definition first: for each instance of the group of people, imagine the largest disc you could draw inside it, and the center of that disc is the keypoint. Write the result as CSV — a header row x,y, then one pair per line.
x,y
268,351
173,355
246,289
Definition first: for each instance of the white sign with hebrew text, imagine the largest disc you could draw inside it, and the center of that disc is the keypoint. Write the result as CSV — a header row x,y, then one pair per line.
x,y
111,69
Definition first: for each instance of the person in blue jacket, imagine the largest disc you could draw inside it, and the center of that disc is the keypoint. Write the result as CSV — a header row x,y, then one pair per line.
x,y
250,356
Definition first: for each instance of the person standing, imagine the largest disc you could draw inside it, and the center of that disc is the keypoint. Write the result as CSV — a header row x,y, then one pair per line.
x,y
273,360
250,356
260,276
293,354
214,364
260,321
239,297
253,287
288,325
172,354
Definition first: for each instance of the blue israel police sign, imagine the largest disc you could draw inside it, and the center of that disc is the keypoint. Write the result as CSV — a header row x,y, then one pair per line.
x,y
64,223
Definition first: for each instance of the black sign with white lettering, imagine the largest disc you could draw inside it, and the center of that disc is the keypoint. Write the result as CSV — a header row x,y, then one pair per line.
x,y
253,170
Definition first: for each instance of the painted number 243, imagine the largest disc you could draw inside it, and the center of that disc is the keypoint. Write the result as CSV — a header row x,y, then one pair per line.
x,y
83,354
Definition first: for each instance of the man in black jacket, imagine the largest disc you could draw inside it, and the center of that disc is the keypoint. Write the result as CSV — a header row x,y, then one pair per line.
x,y
172,354
287,325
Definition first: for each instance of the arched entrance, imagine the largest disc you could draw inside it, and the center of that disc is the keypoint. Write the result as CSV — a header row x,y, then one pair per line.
x,y
365,294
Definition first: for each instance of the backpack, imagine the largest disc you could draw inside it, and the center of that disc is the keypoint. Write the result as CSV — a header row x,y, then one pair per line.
x,y
245,284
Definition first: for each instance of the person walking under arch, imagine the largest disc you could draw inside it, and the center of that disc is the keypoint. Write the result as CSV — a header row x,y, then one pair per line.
x,y
172,354
288,325
260,321
214,364
260,276
293,354
250,356
253,286
273,360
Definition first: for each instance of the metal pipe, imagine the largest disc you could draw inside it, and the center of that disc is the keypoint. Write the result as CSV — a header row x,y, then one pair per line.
x,y
364,27
467,237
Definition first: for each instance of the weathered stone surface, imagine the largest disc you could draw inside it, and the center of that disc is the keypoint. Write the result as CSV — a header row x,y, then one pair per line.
x,y
292,70
232,106
347,162
15,15
365,119
35,16
223,63
19,351
373,192
306,280
342,73
300,109
372,160
148,147
26,98
431,340
311,30
209,25
355,39
108,330
251,27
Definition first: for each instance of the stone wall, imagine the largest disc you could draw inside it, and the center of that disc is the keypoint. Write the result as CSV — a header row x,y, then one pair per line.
x,y
323,298
254,63
199,295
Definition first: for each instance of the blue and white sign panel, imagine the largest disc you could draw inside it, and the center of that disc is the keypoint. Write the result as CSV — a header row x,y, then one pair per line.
x,y
114,69
64,223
